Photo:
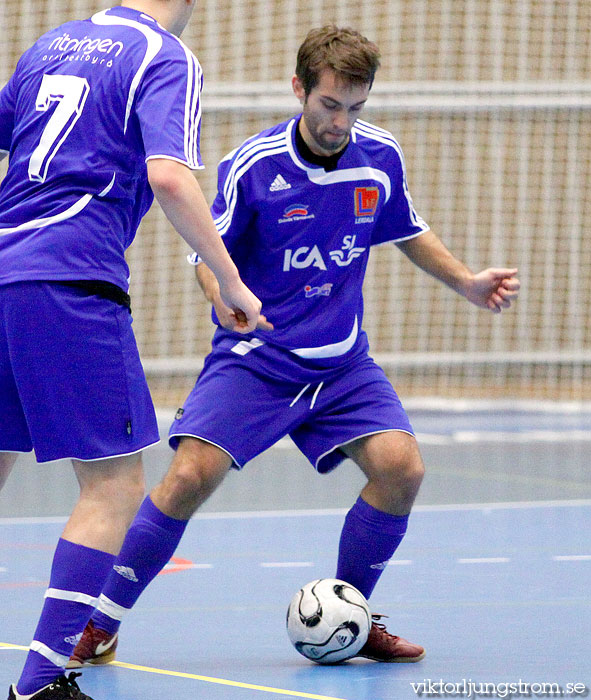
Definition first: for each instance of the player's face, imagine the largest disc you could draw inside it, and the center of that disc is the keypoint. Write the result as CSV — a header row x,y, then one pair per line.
x,y
329,112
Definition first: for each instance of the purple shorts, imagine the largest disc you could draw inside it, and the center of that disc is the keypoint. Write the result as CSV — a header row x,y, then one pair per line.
x,y
238,408
71,381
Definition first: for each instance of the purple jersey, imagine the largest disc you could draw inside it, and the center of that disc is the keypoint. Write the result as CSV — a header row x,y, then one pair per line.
x,y
300,237
88,104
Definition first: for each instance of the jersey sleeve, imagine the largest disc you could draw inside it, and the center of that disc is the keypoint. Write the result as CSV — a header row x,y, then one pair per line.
x,y
230,210
168,107
398,219
7,110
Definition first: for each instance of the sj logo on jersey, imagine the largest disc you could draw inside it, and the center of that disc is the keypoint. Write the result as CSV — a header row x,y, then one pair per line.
x,y
366,204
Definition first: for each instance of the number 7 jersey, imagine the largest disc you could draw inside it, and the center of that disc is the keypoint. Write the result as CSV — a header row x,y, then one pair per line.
x,y
87,106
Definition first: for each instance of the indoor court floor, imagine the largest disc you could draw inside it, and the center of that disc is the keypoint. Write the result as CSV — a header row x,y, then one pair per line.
x,y
493,577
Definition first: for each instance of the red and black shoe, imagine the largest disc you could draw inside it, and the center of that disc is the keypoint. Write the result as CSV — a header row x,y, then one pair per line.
x,y
388,648
62,688
96,647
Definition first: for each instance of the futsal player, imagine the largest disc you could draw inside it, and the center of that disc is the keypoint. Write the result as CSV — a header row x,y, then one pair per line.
x,y
98,115
299,206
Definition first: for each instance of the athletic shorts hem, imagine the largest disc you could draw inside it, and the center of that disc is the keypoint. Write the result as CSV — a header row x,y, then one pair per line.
x,y
16,452
235,463
357,437
99,459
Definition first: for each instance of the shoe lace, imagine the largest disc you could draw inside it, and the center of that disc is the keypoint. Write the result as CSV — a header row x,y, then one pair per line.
x,y
376,617
69,684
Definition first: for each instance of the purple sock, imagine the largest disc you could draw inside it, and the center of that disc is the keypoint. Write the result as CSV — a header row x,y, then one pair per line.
x,y
77,577
148,546
368,540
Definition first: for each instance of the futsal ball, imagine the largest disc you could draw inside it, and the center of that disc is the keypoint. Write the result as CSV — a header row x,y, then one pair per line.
x,y
328,621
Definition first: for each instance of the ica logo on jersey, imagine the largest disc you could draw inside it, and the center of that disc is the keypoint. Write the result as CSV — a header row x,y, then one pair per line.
x,y
303,257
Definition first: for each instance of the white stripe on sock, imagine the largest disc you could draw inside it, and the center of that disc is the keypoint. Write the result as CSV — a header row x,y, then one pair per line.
x,y
56,659
72,596
111,609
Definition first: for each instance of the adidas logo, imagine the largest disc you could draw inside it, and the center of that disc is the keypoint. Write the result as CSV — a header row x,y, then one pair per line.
x,y
73,640
127,572
279,183
381,566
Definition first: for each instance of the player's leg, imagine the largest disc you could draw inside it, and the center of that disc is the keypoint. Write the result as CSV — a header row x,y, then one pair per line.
x,y
197,469
360,416
110,492
7,460
94,406
394,469
376,524
232,414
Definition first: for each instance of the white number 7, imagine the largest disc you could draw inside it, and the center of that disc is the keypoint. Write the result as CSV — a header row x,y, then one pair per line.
x,y
70,92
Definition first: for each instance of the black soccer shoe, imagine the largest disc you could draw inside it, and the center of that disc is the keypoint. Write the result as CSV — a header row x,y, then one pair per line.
x,y
62,688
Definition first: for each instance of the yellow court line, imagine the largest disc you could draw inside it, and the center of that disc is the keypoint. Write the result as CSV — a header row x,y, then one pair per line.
x,y
207,679
4,645
222,681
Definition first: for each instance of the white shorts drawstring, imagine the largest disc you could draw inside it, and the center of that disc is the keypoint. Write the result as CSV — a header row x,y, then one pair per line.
x,y
316,394
303,391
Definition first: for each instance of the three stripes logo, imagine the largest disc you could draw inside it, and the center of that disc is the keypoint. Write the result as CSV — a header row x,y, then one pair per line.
x,y
381,566
279,183
127,572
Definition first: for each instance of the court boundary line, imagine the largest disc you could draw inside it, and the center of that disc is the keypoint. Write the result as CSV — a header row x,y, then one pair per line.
x,y
232,515
198,677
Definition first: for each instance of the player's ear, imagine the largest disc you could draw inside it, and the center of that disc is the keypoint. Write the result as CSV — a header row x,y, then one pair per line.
x,y
298,89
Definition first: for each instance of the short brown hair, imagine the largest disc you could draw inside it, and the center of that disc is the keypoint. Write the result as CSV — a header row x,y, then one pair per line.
x,y
349,54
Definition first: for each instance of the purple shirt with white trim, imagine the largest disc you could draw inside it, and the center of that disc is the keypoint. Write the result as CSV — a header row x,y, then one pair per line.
x,y
300,237
88,104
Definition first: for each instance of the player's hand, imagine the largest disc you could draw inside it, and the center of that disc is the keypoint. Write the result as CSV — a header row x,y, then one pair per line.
x,y
494,288
240,311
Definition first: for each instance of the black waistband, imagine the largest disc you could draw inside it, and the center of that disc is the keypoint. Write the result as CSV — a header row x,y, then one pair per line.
x,y
103,289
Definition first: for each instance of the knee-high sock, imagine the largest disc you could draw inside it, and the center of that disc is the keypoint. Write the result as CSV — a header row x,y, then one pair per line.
x,y
368,540
147,548
77,577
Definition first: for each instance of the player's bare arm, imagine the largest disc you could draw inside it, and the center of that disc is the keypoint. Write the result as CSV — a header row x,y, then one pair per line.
x,y
493,288
211,289
182,200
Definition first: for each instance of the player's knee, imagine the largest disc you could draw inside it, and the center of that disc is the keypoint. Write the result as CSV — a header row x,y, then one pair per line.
x,y
197,470
400,475
413,472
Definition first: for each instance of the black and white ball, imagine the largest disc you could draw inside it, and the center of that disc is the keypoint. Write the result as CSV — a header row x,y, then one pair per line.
x,y
328,621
